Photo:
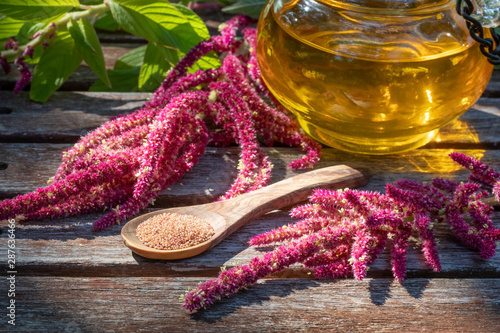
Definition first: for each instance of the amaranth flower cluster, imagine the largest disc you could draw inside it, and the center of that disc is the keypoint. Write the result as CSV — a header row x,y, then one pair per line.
x,y
128,161
342,232
20,63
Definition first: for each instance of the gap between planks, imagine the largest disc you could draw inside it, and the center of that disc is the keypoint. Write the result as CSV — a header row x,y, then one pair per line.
x,y
152,304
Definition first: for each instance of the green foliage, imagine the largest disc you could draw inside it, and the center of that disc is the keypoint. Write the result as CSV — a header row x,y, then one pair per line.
x,y
24,35
9,27
124,75
170,29
106,22
250,8
158,22
55,66
91,2
155,65
36,10
194,21
27,30
87,44
132,59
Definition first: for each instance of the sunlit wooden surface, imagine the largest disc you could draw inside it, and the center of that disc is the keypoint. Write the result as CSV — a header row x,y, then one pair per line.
x,y
72,279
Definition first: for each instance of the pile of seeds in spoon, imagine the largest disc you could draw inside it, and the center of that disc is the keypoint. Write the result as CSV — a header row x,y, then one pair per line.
x,y
170,231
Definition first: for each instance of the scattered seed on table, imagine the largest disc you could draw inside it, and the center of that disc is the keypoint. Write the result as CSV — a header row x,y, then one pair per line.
x,y
170,231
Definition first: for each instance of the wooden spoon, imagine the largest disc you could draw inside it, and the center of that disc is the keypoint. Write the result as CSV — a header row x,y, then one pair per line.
x,y
228,215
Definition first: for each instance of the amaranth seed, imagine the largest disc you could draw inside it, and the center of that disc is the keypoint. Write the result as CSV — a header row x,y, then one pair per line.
x,y
170,231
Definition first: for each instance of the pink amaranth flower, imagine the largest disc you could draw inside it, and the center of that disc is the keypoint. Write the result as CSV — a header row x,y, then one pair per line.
x,y
447,186
496,191
28,51
399,249
11,44
429,246
35,35
158,143
341,233
25,75
480,172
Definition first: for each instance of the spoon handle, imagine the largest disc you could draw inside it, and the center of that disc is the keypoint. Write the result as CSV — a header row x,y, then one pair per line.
x,y
241,209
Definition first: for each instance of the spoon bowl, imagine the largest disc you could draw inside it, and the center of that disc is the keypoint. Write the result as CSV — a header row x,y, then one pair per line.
x,y
229,215
217,221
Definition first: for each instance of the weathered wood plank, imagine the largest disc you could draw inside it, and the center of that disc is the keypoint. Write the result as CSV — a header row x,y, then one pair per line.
x,y
68,247
41,243
62,304
64,118
83,77
79,80
29,166
69,115
72,279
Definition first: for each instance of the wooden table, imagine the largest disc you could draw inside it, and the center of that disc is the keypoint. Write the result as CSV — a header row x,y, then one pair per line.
x,y
72,279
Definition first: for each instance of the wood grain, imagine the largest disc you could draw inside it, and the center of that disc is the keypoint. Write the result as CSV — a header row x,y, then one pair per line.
x,y
69,115
71,279
28,166
229,215
67,304
64,118
69,247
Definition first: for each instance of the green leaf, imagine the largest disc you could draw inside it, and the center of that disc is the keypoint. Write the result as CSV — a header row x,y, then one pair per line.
x,y
122,80
194,20
132,59
211,60
250,8
9,27
124,75
154,68
56,64
27,31
91,2
157,21
24,36
223,3
172,55
87,44
36,10
106,22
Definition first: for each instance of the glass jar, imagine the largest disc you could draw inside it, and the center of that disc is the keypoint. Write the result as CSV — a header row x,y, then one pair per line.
x,y
370,76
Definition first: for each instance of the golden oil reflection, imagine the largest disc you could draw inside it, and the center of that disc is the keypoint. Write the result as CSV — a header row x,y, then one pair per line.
x,y
456,132
437,160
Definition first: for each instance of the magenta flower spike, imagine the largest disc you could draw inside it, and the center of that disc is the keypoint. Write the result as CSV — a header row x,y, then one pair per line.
x,y
25,75
341,233
136,156
496,191
480,172
128,161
